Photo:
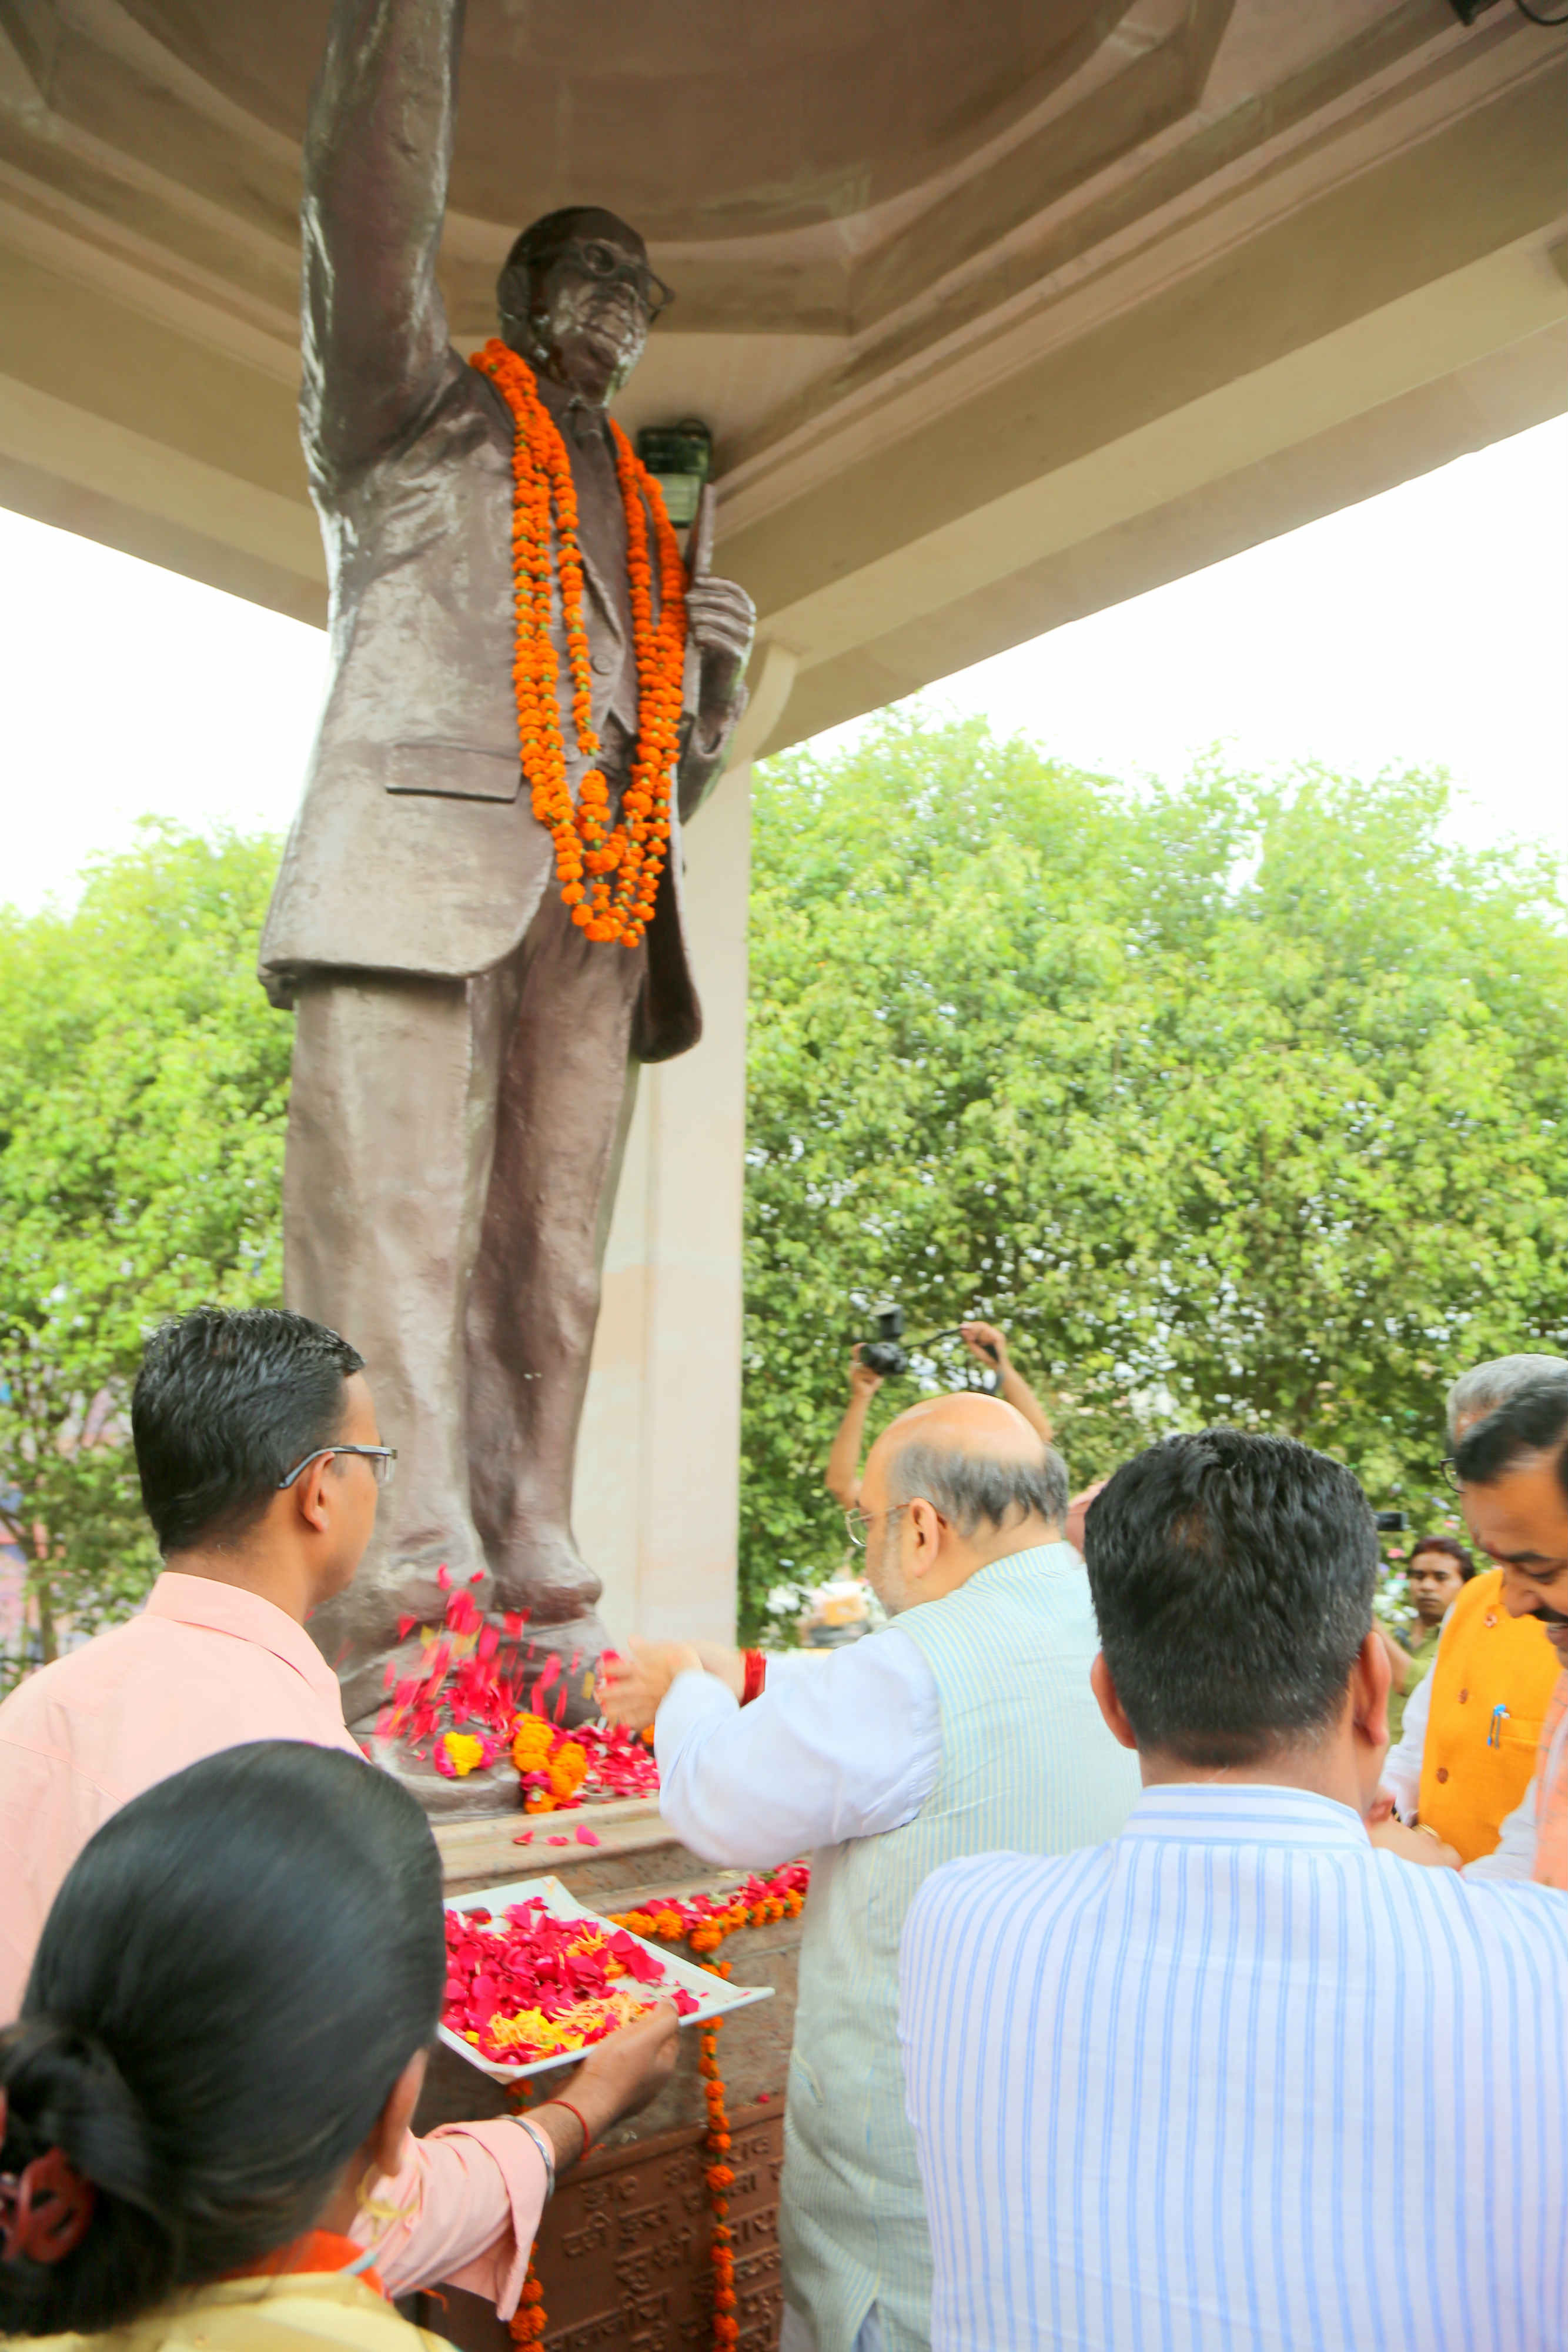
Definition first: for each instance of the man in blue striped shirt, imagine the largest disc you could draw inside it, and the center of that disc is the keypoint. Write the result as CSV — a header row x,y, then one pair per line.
x,y
1237,2082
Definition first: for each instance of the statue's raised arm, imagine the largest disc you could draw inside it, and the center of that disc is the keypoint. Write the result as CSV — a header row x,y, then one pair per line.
x,y
377,153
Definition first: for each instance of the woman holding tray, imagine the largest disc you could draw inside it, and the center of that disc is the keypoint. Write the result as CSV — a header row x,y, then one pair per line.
x,y
220,2049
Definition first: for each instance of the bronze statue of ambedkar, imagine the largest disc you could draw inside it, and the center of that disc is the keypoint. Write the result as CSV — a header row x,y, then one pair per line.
x,y
465,1057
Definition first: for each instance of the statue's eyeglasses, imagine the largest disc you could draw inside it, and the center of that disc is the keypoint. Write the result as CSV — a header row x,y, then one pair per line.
x,y
603,262
380,1457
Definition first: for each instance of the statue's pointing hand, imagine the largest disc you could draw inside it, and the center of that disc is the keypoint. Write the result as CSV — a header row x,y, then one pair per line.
x,y
721,618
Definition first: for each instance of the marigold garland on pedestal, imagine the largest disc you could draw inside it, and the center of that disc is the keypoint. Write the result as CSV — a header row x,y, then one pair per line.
x,y
720,2178
622,857
527,2324
703,1922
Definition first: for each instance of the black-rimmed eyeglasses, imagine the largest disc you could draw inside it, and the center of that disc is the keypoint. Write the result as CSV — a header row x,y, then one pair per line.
x,y
380,1457
1450,1470
604,263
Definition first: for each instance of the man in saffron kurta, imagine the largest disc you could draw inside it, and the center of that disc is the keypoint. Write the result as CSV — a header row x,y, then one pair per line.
x,y
1491,1684
1467,1751
463,1055
1513,1486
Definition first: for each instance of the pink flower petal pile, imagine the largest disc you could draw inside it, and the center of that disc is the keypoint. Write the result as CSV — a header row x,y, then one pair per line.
x,y
476,1677
560,1977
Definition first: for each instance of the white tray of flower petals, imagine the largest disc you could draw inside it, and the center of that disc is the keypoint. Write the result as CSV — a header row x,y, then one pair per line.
x,y
529,1970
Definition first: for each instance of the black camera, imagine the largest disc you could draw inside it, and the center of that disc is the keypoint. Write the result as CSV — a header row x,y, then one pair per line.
x,y
1391,1523
884,1353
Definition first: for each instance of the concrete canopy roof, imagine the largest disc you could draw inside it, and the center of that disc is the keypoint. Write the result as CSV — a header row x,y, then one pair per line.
x,y
999,316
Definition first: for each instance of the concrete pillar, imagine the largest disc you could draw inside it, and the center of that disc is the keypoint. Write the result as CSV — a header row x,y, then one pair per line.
x,y
658,1462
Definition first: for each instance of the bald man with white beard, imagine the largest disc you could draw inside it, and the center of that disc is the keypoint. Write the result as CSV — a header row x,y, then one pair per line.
x,y
966,1726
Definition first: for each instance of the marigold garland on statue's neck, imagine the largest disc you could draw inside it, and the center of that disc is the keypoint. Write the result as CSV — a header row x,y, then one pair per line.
x,y
623,857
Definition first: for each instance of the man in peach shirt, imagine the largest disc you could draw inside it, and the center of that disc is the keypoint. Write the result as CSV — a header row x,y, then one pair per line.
x,y
260,1461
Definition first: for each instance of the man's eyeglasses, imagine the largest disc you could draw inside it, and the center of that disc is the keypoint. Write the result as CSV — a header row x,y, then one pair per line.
x,y
1450,1470
859,1522
380,1457
603,262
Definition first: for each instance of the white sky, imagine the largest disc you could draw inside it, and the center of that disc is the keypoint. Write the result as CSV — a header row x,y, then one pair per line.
x,y
1425,628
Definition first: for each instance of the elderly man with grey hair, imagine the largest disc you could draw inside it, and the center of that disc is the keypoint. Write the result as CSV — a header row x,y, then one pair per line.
x,y
966,1725
1474,1397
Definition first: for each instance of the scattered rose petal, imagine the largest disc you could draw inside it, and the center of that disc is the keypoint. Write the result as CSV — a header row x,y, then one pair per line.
x,y
586,1837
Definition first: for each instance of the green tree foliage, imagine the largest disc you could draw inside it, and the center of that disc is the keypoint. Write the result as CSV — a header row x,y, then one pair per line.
x,y
1232,1102
142,1089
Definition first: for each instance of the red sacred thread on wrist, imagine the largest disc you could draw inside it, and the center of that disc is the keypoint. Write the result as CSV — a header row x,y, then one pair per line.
x,y
756,1666
576,2118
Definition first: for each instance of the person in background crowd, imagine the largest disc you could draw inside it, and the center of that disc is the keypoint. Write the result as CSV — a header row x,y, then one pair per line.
x,y
221,2042
965,1724
987,1347
1437,1568
1235,2078
260,1457
1467,1750
1513,1485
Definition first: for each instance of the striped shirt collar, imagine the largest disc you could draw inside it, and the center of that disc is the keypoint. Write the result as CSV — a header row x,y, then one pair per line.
x,y
1222,1812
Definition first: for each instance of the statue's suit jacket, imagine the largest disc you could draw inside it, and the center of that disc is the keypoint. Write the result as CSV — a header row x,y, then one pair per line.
x,y
416,851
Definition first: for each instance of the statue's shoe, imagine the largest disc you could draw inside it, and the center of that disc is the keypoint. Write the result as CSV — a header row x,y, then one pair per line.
x,y
541,1572
557,1663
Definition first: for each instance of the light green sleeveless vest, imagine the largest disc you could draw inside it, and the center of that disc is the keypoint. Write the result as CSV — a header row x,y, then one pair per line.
x,y
1028,1766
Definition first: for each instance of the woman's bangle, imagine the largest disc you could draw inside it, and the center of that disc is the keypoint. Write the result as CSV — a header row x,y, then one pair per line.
x,y
755,1666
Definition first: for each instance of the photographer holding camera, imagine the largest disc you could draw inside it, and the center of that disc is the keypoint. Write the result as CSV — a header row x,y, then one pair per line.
x,y
873,1362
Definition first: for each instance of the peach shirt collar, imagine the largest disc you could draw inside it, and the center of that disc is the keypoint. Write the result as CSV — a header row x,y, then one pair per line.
x,y
227,1609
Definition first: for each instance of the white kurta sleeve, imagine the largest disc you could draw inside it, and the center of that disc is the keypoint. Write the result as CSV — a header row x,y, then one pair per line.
x,y
837,1748
1402,1765
1513,1856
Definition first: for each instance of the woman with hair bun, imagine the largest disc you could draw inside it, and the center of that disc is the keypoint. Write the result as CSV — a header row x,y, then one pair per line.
x,y
220,2049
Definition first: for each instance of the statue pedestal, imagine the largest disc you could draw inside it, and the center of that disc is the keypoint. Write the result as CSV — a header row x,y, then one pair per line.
x,y
622,2254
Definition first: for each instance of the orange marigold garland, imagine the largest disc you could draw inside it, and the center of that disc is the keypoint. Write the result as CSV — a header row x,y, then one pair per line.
x,y
702,1923
720,2178
527,2324
622,857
